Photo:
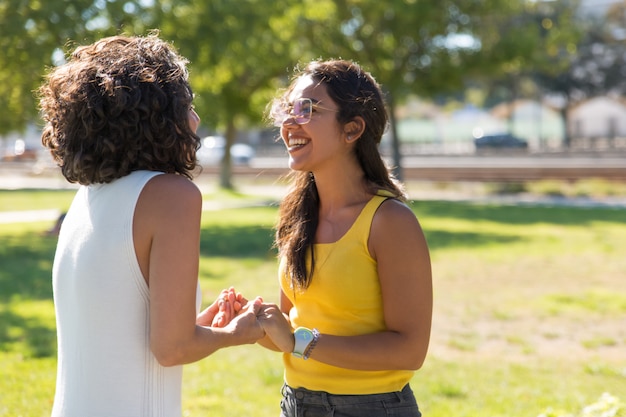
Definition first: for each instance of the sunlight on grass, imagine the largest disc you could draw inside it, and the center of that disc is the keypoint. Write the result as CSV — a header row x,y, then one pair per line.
x,y
592,301
28,327
530,306
242,381
604,369
591,187
464,341
599,342
26,386
13,200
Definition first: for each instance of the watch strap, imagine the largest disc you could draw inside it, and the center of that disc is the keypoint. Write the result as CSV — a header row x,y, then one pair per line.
x,y
303,337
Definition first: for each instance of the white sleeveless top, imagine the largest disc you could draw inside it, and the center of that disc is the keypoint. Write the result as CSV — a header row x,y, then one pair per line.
x,y
105,366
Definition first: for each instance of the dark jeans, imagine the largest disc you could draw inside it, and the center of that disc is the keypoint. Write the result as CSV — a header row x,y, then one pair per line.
x,y
300,402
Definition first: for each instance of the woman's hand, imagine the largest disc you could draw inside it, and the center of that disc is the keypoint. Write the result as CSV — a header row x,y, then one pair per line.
x,y
277,327
225,307
245,324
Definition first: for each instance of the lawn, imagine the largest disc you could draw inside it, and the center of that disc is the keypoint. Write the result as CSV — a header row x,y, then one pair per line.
x,y
529,317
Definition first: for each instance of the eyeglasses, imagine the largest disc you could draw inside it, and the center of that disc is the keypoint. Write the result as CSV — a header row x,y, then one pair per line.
x,y
300,110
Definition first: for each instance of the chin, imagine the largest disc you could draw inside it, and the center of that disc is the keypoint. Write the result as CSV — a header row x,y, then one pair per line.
x,y
295,166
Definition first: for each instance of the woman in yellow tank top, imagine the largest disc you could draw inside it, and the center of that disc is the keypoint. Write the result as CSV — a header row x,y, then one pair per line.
x,y
356,289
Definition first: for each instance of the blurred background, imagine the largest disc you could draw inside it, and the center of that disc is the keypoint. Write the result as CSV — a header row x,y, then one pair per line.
x,y
513,78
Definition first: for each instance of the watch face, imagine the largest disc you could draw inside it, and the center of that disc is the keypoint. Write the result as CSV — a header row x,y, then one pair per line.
x,y
306,335
303,338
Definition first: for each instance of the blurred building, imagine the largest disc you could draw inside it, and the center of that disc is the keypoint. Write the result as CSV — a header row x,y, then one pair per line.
x,y
599,117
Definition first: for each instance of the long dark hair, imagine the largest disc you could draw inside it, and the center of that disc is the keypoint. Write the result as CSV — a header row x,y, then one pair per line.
x,y
356,93
119,105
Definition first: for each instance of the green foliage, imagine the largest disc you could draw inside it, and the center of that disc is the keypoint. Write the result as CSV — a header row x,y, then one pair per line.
x,y
32,37
234,53
241,51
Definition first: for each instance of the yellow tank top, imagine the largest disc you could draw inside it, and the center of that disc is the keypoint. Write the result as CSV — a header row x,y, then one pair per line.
x,y
344,298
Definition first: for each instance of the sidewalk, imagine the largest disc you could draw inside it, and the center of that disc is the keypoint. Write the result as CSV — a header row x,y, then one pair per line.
x,y
28,216
272,193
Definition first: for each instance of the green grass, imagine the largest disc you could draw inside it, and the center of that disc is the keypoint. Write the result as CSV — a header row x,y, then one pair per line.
x,y
14,200
529,315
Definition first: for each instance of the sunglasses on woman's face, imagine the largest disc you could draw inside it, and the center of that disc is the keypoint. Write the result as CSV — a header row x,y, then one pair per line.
x,y
300,111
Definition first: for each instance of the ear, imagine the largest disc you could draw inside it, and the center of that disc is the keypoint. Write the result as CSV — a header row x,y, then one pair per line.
x,y
354,129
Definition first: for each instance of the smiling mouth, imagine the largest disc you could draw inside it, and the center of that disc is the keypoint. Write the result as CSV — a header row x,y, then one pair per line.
x,y
294,143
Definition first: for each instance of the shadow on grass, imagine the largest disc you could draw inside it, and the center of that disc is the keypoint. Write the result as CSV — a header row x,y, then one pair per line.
x,y
26,275
29,336
438,239
237,241
26,266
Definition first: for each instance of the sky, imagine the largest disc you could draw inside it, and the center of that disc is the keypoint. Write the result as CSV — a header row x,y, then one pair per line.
x,y
596,6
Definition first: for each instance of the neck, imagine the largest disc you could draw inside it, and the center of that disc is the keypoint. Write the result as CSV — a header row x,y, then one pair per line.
x,y
338,191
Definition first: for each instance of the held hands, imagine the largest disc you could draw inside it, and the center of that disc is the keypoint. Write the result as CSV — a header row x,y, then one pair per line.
x,y
229,304
245,324
225,307
232,309
277,327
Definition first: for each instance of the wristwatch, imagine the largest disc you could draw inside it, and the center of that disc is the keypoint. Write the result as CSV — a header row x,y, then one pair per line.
x,y
303,338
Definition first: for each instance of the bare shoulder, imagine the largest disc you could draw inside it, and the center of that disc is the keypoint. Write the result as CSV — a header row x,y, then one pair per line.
x,y
171,189
173,183
393,212
169,195
395,228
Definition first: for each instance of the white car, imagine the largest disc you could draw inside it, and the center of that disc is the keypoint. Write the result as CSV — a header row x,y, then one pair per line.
x,y
211,151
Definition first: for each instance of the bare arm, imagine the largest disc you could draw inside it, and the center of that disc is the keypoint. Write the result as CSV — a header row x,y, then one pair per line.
x,y
399,246
167,239
275,322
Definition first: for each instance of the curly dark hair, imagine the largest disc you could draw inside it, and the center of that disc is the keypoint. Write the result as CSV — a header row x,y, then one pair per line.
x,y
356,93
119,105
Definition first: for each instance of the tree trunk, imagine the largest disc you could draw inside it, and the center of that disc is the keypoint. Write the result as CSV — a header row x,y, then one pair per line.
x,y
566,135
226,171
396,169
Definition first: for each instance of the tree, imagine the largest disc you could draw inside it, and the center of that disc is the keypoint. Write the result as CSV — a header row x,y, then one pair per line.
x,y
32,35
237,50
242,51
414,47
540,37
596,67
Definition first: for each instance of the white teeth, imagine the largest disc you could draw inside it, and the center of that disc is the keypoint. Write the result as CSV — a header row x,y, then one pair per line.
x,y
297,142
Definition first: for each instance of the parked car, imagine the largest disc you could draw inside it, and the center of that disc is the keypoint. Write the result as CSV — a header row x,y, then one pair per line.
x,y
500,141
19,151
211,152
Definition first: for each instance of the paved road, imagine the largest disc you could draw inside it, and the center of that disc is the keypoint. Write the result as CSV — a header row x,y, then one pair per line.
x,y
486,167
435,168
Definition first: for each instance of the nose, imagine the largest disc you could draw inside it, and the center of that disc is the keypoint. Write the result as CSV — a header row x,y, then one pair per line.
x,y
287,119
290,120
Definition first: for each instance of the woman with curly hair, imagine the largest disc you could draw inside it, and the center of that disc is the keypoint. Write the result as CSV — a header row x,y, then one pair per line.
x,y
120,122
355,277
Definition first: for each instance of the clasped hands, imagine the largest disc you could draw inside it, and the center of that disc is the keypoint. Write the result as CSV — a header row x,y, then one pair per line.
x,y
232,307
